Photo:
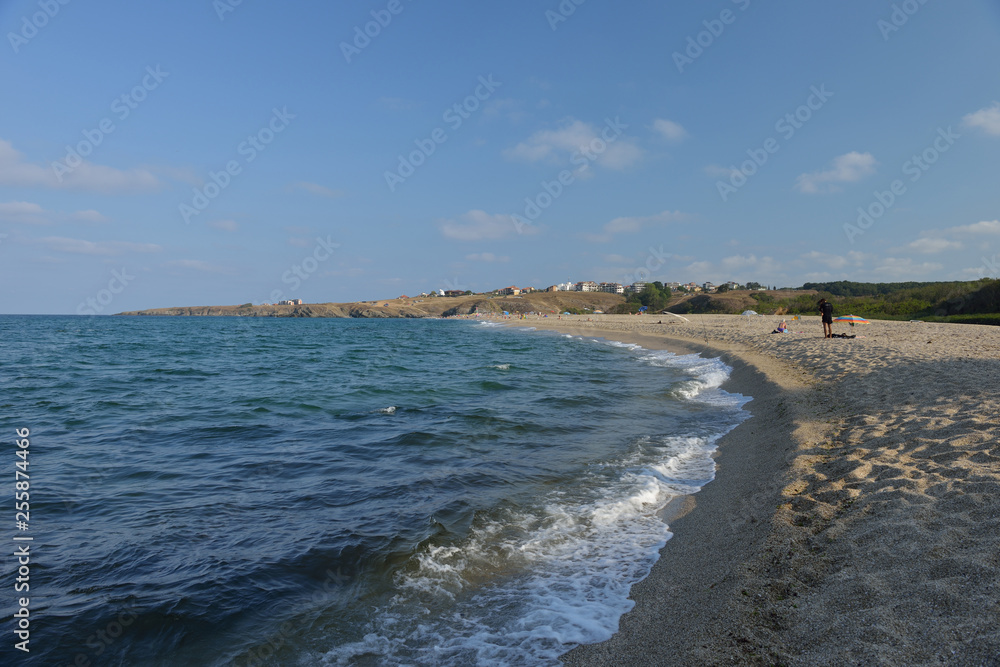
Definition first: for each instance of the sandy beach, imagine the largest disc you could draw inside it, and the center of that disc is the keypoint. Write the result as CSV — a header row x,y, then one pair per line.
x,y
854,519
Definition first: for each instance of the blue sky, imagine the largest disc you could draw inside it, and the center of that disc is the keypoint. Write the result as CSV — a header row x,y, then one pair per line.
x,y
201,153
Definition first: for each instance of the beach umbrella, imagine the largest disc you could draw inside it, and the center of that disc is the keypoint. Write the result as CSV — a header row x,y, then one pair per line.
x,y
748,313
851,319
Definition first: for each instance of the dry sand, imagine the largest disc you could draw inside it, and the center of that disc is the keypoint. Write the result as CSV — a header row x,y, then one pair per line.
x,y
854,519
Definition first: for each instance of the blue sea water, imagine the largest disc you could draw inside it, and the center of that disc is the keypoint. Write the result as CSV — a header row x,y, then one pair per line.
x,y
214,491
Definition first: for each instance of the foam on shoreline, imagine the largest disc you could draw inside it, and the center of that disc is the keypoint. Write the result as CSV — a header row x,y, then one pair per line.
x,y
854,519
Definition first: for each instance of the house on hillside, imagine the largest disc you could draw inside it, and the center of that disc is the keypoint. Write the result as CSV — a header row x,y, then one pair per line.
x,y
586,286
611,288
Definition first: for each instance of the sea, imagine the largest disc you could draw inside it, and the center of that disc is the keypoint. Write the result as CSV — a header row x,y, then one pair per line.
x,y
270,491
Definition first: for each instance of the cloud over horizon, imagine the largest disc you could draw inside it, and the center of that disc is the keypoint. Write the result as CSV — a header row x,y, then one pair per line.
x,y
846,168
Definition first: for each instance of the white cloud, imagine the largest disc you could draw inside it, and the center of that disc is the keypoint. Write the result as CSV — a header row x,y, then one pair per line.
x,y
932,245
23,211
983,227
629,225
90,215
199,265
512,109
718,171
14,171
224,225
987,119
574,137
670,130
902,268
316,189
487,257
826,259
737,267
33,214
397,103
102,248
745,262
480,225
846,168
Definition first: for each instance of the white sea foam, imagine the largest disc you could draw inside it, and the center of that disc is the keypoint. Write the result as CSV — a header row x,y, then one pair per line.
x,y
709,374
501,367
387,411
531,581
627,346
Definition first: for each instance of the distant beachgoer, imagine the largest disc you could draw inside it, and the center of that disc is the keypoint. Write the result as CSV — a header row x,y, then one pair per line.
x,y
826,310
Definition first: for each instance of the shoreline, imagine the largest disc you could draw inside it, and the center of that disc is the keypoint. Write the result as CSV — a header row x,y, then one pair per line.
x,y
853,517
711,529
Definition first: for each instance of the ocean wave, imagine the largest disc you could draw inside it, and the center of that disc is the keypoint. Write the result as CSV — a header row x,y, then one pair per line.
x,y
523,587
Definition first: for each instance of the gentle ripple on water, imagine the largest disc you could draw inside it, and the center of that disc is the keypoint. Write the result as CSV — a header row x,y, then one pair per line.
x,y
340,491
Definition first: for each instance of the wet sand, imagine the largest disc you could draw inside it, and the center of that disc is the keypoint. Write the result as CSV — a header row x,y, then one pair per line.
x,y
854,519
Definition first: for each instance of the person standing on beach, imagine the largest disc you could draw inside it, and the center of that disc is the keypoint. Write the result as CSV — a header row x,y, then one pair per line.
x,y
826,310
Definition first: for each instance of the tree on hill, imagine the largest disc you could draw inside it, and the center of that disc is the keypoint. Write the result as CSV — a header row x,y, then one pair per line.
x,y
655,296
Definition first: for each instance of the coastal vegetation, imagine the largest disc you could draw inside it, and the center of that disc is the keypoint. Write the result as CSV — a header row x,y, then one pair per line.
x,y
655,297
972,302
